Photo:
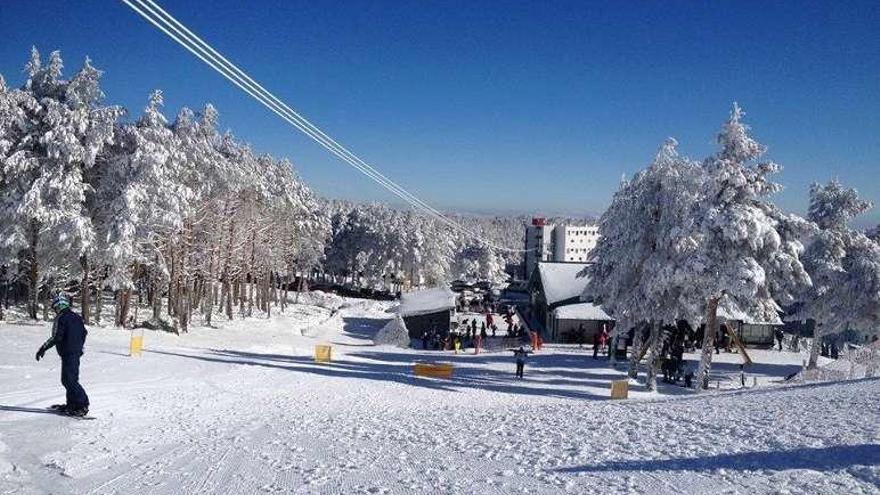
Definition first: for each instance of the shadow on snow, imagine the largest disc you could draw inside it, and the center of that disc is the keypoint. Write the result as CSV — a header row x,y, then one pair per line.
x,y
394,367
817,459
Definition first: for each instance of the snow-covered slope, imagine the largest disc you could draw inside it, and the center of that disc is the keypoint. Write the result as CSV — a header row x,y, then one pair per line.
x,y
244,409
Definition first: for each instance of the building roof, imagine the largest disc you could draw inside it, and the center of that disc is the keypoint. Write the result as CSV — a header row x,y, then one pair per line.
x,y
733,314
581,311
426,301
560,280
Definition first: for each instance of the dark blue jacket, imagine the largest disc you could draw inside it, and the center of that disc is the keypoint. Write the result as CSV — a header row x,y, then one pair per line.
x,y
68,334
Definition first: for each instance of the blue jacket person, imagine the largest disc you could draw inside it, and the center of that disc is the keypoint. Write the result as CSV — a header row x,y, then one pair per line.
x,y
68,338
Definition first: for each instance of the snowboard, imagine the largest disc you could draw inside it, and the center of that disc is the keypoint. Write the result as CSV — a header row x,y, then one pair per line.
x,y
57,410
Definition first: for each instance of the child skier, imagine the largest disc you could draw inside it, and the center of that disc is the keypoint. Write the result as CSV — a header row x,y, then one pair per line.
x,y
68,338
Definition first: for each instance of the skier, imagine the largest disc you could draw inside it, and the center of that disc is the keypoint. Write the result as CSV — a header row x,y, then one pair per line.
x,y
68,338
520,355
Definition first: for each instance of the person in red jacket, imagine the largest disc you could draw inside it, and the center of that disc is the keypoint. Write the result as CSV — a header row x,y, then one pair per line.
x,y
599,341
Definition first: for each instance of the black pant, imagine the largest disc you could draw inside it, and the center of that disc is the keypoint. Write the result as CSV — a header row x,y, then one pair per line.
x,y
519,368
76,395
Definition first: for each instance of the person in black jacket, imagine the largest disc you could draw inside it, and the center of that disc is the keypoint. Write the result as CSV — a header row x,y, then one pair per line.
x,y
68,338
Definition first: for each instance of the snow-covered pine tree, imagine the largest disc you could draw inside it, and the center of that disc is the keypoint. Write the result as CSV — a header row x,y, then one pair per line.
x,y
746,251
61,128
635,274
844,265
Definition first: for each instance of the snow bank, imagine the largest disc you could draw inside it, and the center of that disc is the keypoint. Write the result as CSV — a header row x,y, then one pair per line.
x,y
853,363
323,300
393,333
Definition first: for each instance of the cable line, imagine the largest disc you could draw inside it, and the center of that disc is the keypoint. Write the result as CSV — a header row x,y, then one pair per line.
x,y
175,30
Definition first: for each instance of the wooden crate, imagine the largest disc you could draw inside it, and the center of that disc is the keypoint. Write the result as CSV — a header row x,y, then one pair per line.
x,y
620,389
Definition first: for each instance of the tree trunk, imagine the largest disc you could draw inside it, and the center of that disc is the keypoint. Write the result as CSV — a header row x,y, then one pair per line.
x,y
209,300
33,271
708,343
122,305
172,281
250,296
242,287
99,299
230,297
638,342
814,348
84,289
612,359
657,338
47,301
157,298
299,289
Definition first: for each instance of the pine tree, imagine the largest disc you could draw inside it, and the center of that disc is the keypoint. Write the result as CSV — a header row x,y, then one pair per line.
x,y
844,265
62,129
746,251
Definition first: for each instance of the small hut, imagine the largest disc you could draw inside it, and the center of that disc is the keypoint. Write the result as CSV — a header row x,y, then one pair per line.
x,y
427,311
749,330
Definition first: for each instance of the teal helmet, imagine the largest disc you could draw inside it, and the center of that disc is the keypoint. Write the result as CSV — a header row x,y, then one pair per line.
x,y
60,302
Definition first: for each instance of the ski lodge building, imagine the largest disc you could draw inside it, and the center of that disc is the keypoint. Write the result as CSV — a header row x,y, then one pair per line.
x,y
557,310
556,307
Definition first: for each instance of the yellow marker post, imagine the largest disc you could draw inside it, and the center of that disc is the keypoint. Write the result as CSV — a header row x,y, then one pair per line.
x,y
323,353
136,346
620,389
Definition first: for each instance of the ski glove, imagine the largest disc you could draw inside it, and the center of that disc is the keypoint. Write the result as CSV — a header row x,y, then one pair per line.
x,y
42,350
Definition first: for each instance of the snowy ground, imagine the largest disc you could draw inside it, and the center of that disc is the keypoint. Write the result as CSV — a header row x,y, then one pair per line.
x,y
243,409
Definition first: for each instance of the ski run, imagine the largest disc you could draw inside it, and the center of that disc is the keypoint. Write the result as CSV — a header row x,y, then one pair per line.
x,y
244,408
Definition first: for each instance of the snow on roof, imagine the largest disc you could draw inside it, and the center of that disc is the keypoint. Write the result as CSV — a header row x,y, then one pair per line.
x,y
732,314
581,311
426,301
560,280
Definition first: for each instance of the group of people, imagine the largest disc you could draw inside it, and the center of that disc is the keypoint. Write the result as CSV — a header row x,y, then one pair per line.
x,y
472,333
476,304
463,337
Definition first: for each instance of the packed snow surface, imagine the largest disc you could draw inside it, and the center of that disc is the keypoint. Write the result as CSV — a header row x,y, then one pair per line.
x,y
244,409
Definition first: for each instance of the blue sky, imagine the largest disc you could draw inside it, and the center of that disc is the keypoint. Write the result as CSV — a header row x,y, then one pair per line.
x,y
535,107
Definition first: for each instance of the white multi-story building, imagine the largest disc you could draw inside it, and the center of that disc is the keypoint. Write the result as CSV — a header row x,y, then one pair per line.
x,y
549,242
574,243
